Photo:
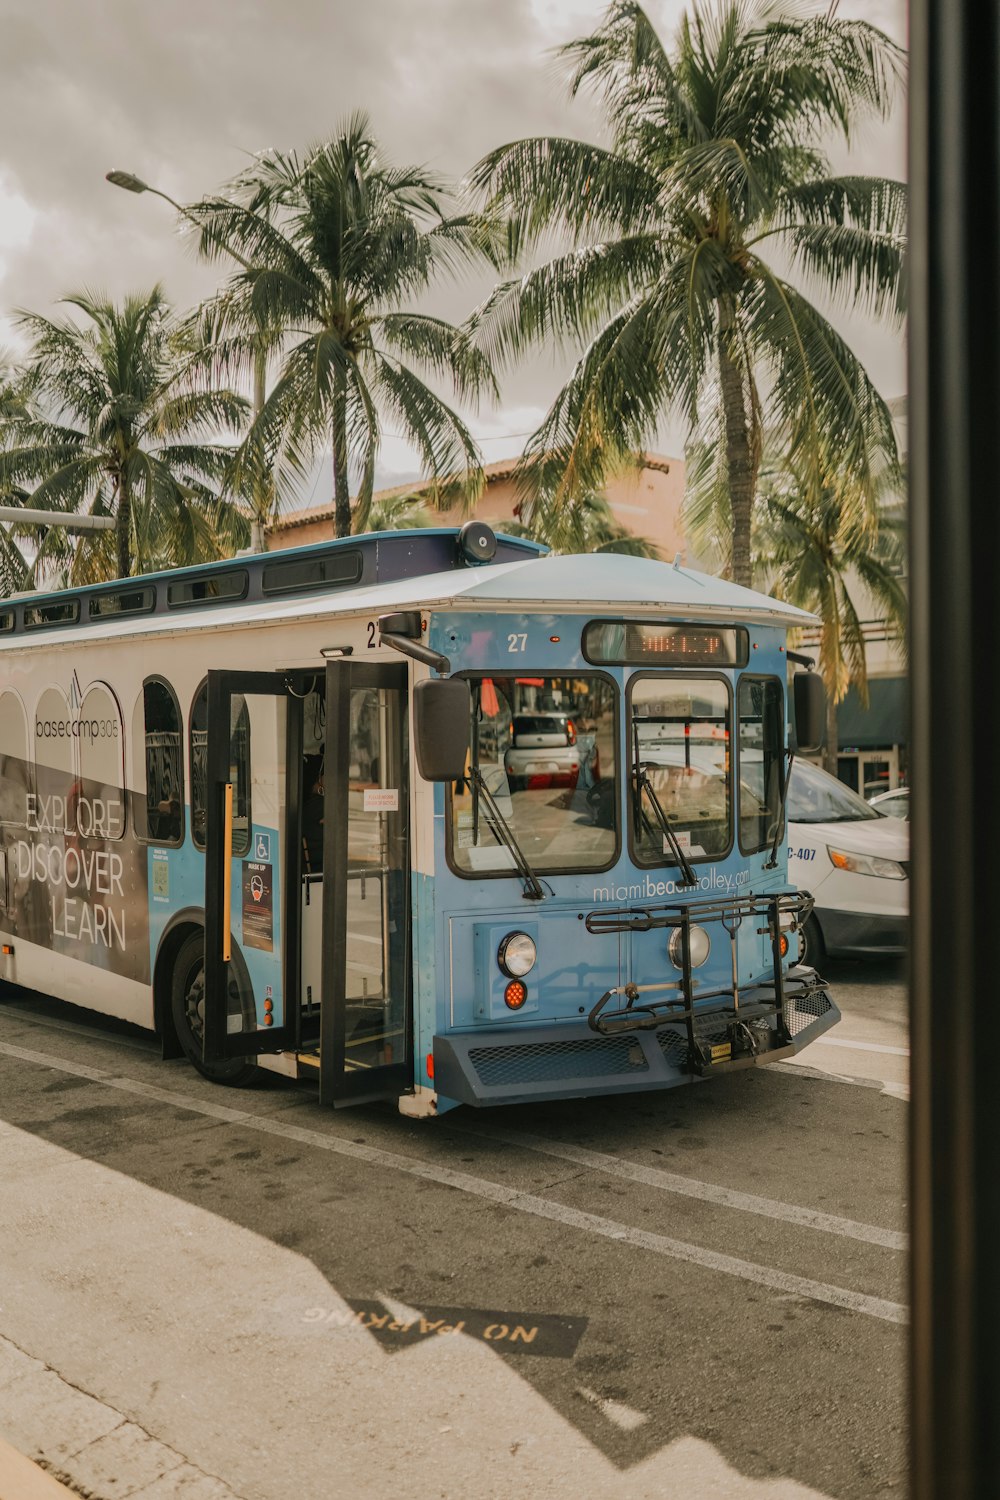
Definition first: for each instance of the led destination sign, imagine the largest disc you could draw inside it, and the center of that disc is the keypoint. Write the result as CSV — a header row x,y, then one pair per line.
x,y
649,643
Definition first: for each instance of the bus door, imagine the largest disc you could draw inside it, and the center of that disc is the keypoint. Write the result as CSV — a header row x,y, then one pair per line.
x,y
252,867
366,1014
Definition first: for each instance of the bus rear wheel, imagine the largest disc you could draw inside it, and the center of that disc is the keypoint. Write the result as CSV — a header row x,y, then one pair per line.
x,y
187,1007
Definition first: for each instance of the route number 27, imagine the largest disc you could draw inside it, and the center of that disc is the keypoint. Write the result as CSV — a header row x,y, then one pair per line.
x,y
517,642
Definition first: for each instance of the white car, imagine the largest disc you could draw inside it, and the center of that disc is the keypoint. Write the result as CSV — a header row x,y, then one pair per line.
x,y
894,804
855,862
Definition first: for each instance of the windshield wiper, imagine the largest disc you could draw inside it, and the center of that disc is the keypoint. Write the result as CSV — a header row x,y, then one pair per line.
x,y
643,784
771,862
504,834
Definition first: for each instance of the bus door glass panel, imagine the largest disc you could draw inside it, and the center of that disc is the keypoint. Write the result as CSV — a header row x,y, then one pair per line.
x,y
245,797
366,1049
313,760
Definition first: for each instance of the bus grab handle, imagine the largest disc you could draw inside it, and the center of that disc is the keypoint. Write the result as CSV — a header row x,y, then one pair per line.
x,y
227,870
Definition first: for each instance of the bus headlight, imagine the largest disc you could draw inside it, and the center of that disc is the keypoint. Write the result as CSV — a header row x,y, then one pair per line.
x,y
516,955
701,947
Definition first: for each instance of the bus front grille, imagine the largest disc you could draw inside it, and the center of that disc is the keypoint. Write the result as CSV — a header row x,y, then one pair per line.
x,y
803,1010
537,1062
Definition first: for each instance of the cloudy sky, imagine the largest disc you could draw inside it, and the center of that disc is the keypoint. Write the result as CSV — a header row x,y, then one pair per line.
x,y
180,92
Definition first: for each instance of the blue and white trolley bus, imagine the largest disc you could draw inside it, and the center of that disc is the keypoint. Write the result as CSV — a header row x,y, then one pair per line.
x,y
426,816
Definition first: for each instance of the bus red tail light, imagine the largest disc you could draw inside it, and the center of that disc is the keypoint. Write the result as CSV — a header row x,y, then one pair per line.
x,y
570,732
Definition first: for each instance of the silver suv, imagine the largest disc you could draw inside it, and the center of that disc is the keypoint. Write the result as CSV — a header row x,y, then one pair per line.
x,y
543,751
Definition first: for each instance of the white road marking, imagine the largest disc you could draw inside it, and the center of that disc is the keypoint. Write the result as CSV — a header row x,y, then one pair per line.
x,y
625,1417
824,1075
692,1187
493,1192
837,1041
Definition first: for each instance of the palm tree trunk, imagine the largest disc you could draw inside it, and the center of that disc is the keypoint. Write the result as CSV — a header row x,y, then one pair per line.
x,y
261,494
739,462
831,748
123,528
341,484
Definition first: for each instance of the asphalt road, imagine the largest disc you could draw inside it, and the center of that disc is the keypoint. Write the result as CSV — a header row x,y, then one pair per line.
x,y
696,1293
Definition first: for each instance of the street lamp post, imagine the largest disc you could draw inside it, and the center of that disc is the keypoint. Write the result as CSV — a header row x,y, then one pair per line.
x,y
133,184
19,513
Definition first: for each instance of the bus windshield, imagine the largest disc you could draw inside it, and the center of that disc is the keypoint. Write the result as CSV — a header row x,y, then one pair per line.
x,y
679,738
545,747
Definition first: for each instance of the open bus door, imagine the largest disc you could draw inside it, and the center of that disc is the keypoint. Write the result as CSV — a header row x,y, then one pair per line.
x,y
252,864
366,1016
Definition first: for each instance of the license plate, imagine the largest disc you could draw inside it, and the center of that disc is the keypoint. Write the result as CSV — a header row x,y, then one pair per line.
x,y
722,1051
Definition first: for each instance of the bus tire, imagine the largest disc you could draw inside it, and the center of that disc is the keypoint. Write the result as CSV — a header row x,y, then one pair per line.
x,y
187,982
813,950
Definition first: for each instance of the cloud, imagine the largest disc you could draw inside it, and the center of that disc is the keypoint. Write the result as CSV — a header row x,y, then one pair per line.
x,y
181,93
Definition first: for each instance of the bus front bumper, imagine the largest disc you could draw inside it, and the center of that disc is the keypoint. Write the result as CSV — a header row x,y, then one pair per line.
x,y
566,1060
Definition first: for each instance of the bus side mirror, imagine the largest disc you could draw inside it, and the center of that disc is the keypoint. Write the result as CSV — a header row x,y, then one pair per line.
x,y
441,713
809,693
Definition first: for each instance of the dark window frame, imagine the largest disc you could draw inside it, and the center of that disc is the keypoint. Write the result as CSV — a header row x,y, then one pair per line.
x,y
762,677
209,599
73,618
478,675
239,852
146,839
271,591
669,674
147,608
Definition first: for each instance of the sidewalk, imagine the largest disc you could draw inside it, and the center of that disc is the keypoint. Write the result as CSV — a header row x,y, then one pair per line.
x,y
83,1442
20,1479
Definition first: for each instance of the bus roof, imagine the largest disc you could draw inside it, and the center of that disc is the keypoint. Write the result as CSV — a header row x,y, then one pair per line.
x,y
323,567
573,584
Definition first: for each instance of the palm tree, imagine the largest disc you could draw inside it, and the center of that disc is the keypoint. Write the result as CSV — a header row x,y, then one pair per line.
x,y
400,513
331,250
14,402
117,425
715,161
820,558
583,523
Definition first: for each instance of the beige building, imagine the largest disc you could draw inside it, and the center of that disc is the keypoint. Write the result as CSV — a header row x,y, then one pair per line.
x,y
647,502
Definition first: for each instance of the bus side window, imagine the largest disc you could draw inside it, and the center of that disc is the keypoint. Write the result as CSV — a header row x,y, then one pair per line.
x,y
15,780
239,769
159,779
96,808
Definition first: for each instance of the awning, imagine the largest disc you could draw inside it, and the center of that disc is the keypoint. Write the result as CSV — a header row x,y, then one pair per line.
x,y
881,724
